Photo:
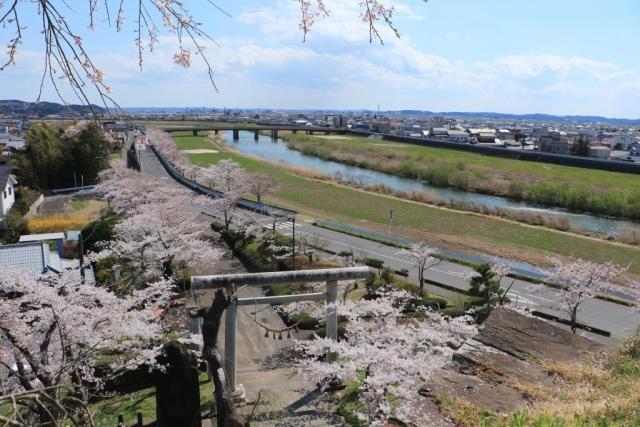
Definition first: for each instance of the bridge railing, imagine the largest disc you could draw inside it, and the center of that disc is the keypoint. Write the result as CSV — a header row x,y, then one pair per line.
x,y
201,189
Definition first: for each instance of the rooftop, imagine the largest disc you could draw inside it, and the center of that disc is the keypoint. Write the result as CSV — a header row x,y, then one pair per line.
x,y
41,237
34,257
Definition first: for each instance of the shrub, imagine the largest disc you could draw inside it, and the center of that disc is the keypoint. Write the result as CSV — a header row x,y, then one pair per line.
x,y
546,193
460,180
373,263
517,190
100,230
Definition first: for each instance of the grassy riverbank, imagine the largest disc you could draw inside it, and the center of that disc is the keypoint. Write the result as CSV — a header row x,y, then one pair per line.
x,y
580,189
460,231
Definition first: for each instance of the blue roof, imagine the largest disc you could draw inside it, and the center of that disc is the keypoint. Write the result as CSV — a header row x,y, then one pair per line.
x,y
32,257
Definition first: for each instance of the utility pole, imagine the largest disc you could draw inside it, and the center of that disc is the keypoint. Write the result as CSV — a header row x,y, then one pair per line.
x,y
293,245
390,219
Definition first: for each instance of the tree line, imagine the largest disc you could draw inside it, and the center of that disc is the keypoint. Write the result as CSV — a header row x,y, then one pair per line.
x,y
59,157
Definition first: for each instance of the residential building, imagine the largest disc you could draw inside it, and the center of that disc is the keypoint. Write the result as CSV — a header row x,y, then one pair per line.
x,y
57,238
33,257
623,140
600,152
38,257
556,142
442,133
458,136
7,190
505,135
486,137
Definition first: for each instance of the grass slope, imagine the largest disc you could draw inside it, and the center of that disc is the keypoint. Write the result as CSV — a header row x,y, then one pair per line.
x,y
491,165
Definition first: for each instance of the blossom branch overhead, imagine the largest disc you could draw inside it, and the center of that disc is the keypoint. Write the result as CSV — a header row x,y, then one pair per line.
x,y
67,59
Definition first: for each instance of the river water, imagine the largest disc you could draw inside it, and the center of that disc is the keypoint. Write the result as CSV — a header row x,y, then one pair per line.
x,y
277,150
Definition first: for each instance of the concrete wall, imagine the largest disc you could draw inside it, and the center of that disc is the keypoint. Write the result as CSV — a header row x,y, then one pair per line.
x,y
33,209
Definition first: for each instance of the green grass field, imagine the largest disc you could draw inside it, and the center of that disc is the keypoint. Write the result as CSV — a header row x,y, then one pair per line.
x,y
455,230
528,171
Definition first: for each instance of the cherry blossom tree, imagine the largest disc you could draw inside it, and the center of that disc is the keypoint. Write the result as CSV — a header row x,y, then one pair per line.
x,y
53,330
393,352
261,184
159,234
66,57
311,246
208,176
167,147
232,180
580,280
422,257
129,191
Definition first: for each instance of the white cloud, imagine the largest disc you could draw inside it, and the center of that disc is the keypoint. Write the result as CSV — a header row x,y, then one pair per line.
x,y
337,67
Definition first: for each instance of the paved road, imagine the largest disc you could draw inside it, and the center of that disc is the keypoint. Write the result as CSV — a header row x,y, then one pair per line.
x,y
619,320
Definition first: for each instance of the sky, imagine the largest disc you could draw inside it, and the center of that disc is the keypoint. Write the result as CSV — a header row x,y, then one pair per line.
x,y
511,56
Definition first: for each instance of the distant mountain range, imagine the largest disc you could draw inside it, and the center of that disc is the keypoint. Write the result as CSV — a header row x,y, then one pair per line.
x,y
15,107
534,117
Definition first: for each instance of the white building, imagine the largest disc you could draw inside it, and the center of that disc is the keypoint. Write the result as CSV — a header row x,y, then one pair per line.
x,y
623,139
458,136
7,190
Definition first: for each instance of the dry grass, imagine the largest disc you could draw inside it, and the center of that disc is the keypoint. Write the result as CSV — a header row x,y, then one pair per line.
x,y
75,217
602,391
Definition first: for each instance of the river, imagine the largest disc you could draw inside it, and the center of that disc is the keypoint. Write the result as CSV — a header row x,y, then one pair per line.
x,y
277,150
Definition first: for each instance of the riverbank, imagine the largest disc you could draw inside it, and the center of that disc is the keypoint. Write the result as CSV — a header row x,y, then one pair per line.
x,y
459,231
582,190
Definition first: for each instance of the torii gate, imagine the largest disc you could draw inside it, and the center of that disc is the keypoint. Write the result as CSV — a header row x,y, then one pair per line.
x,y
330,275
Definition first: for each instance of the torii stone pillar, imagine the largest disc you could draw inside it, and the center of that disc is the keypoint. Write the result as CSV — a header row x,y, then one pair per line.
x,y
229,281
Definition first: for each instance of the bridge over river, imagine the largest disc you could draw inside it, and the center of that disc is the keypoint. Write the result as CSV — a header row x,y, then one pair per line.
x,y
256,128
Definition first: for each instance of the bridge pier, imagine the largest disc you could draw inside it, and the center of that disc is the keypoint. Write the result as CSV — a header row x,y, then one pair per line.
x,y
274,133
236,134
256,135
310,132
195,132
216,131
327,133
295,131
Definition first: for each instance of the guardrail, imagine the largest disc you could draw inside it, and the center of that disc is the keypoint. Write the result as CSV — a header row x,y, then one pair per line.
x,y
201,189
70,190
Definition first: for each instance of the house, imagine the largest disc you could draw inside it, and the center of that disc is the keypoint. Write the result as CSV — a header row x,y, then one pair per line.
x,y
57,238
505,135
439,133
486,137
600,152
33,257
556,142
7,190
458,136
38,257
622,141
